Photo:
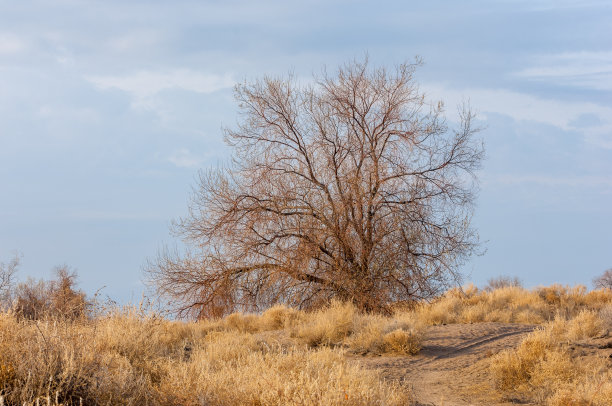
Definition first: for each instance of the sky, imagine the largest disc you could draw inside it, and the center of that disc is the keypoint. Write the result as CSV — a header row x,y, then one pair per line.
x,y
108,109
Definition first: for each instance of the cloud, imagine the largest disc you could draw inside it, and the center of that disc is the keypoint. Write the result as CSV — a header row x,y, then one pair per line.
x,y
111,215
183,158
591,70
587,181
10,44
545,5
134,41
145,84
567,115
84,114
586,120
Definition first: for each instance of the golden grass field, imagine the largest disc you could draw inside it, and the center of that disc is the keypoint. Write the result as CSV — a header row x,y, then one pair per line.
x,y
285,356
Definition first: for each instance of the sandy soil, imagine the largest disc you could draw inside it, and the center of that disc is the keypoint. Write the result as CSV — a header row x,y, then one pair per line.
x,y
452,368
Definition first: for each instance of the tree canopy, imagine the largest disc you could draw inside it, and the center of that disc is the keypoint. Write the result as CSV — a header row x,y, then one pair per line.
x,y
351,187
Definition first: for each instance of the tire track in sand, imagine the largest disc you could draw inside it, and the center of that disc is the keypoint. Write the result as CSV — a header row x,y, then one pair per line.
x,y
452,363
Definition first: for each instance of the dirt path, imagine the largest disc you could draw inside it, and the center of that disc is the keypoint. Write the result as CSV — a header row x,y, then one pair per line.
x,y
452,368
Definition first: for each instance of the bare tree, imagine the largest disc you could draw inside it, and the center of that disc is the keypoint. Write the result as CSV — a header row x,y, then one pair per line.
x,y
503,281
7,278
604,280
352,187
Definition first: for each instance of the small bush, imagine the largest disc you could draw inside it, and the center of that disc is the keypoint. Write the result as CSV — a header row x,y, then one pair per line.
x,y
542,367
58,298
279,316
368,337
503,282
513,369
7,280
586,324
589,390
604,281
244,323
402,342
605,314
329,326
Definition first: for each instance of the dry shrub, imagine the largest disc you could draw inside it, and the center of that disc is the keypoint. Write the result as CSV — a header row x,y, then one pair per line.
x,y
248,377
8,273
442,311
402,333
604,281
329,326
275,318
570,300
599,298
586,324
402,342
244,323
511,304
57,298
554,369
541,367
368,337
280,316
503,282
605,315
93,362
405,334
128,357
341,324
513,369
590,390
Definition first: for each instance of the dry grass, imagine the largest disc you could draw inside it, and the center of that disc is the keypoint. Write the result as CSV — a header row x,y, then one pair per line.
x,y
286,356
127,357
341,325
512,304
543,368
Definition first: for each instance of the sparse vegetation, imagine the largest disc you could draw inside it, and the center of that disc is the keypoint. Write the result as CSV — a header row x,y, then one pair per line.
x,y
286,356
544,368
512,304
7,280
57,298
127,357
603,281
503,282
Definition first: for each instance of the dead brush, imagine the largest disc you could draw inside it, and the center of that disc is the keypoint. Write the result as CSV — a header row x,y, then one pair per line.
x,y
541,366
129,357
342,325
402,342
281,317
284,355
329,326
511,304
605,314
